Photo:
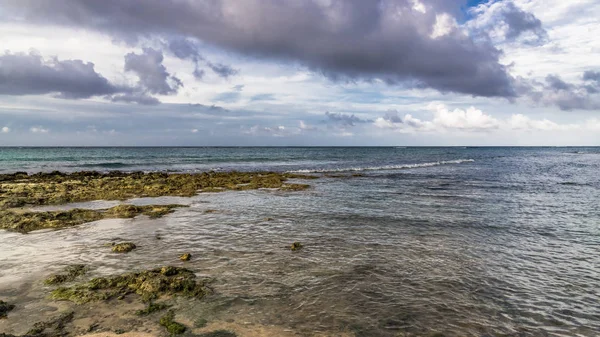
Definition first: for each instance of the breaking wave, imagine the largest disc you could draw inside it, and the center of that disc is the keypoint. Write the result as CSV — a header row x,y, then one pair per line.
x,y
387,167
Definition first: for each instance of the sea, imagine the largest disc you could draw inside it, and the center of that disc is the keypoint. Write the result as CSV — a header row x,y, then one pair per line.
x,y
398,241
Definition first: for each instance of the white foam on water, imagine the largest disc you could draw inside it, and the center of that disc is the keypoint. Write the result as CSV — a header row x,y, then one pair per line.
x,y
387,167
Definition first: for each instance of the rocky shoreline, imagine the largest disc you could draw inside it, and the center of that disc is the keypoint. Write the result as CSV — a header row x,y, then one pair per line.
x,y
154,293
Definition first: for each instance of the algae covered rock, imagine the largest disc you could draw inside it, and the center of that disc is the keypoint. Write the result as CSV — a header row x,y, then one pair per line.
x,y
296,246
168,321
27,221
5,308
124,247
149,285
185,257
69,274
59,188
152,308
131,211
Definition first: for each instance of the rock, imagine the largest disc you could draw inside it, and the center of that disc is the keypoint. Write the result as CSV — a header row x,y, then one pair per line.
x,y
124,247
296,246
5,308
70,273
185,257
149,285
168,321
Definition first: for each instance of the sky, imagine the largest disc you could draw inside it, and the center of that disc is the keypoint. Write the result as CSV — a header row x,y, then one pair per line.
x,y
299,72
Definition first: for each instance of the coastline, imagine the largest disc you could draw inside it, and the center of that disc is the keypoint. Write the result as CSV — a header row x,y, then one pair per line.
x,y
69,302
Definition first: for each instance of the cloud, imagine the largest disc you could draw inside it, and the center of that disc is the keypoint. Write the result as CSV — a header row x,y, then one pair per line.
x,y
306,127
5,129
276,131
593,76
38,129
472,120
230,96
522,122
263,97
503,21
389,40
344,119
567,96
153,75
222,70
138,98
185,49
30,74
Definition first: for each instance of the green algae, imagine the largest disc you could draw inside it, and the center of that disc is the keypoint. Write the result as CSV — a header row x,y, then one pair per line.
x,y
168,321
296,246
20,189
152,308
124,247
185,257
70,274
149,285
27,221
5,308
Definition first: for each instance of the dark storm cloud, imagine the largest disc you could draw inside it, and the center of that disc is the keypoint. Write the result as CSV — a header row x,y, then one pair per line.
x,y
343,39
153,75
30,74
344,119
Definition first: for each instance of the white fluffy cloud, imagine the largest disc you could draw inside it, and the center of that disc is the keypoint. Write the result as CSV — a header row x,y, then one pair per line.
x,y
38,129
469,119
473,120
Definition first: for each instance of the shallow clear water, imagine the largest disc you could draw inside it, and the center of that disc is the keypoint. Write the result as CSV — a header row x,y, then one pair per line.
x,y
466,241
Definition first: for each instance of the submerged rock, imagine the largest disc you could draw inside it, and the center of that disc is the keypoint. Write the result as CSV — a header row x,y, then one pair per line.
x,y
70,274
5,308
53,327
149,285
124,247
152,308
185,257
168,321
27,221
296,246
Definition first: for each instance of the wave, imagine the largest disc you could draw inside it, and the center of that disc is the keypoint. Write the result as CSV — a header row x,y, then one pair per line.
x,y
387,167
105,165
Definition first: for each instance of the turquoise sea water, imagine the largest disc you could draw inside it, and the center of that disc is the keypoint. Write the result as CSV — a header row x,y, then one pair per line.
x,y
466,241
